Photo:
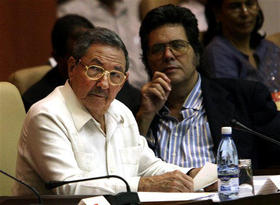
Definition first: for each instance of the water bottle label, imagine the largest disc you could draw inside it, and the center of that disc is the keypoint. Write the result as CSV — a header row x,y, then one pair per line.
x,y
228,183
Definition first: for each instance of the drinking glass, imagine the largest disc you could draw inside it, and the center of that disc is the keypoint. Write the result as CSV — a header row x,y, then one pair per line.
x,y
246,184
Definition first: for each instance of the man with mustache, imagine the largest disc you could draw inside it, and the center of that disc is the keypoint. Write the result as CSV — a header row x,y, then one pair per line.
x,y
182,111
81,131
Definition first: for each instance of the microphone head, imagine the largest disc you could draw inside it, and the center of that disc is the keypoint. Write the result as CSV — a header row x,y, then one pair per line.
x,y
233,121
53,184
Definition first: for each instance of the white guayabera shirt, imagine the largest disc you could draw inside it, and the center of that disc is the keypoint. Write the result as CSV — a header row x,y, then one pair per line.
x,y
61,141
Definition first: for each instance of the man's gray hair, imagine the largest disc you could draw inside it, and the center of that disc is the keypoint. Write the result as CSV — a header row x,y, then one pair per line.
x,y
99,35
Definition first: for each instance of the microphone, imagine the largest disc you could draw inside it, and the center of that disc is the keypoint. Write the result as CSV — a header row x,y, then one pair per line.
x,y
239,126
123,198
26,185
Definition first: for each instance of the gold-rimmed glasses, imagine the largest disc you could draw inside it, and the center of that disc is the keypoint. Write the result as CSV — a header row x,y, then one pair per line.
x,y
95,72
178,47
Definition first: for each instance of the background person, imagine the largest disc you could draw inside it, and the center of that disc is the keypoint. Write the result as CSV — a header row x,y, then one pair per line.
x,y
236,49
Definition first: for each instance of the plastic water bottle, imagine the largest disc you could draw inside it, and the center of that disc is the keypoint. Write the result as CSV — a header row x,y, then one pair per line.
x,y
228,172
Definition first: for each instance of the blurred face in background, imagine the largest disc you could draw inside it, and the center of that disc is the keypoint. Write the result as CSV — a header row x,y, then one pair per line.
x,y
62,60
238,16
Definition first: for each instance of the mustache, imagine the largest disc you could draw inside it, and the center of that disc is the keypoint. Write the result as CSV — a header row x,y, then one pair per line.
x,y
98,92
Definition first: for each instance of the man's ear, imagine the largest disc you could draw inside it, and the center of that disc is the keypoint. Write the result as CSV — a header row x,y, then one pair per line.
x,y
126,79
72,63
127,74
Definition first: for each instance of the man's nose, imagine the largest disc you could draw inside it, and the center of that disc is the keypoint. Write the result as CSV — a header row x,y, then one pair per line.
x,y
103,82
168,53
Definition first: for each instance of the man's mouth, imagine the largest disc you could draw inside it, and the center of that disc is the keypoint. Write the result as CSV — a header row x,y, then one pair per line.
x,y
170,69
98,94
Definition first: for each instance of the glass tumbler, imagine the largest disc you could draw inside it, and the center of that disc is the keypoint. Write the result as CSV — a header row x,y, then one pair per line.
x,y
246,184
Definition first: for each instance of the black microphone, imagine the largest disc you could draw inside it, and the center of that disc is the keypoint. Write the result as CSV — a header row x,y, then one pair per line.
x,y
26,185
239,126
123,198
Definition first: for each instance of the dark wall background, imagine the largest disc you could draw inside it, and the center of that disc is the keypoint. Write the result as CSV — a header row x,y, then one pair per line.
x,y
25,27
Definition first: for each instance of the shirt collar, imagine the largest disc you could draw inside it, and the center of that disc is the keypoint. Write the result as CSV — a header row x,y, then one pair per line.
x,y
114,112
194,99
79,113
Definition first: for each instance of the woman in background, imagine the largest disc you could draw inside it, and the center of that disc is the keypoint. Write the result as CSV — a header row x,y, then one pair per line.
x,y
234,46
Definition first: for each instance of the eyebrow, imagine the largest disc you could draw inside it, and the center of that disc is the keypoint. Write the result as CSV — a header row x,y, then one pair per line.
x,y
98,62
118,68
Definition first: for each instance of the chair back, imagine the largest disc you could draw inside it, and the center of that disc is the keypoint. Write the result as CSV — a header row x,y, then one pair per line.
x,y
25,78
12,114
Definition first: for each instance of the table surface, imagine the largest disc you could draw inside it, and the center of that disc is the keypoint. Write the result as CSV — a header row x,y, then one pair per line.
x,y
270,199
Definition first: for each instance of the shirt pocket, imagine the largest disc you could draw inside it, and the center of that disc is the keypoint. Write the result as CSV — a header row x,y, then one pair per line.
x,y
130,160
130,155
86,161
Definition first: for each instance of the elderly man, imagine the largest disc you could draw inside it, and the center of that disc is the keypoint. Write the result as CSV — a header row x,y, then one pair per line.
x,y
182,111
81,131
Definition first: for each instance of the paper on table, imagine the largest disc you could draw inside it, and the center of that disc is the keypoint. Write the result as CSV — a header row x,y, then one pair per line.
x,y
271,185
206,176
172,196
97,200
153,197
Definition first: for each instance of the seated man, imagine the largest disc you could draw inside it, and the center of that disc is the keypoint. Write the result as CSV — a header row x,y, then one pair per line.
x,y
65,32
81,131
182,111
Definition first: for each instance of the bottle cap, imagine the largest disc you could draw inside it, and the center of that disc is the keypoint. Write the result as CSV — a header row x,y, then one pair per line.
x,y
226,130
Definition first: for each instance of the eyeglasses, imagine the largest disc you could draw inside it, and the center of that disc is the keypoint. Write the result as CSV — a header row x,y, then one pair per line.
x,y
95,72
239,6
178,47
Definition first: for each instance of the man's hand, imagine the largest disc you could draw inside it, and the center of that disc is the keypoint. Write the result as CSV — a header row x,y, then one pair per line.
x,y
193,172
175,181
154,95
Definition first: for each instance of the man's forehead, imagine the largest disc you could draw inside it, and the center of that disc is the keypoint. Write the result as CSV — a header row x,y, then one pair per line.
x,y
168,32
105,54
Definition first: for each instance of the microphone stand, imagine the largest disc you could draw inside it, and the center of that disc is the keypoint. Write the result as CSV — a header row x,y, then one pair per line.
x,y
123,198
26,185
239,126
54,184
